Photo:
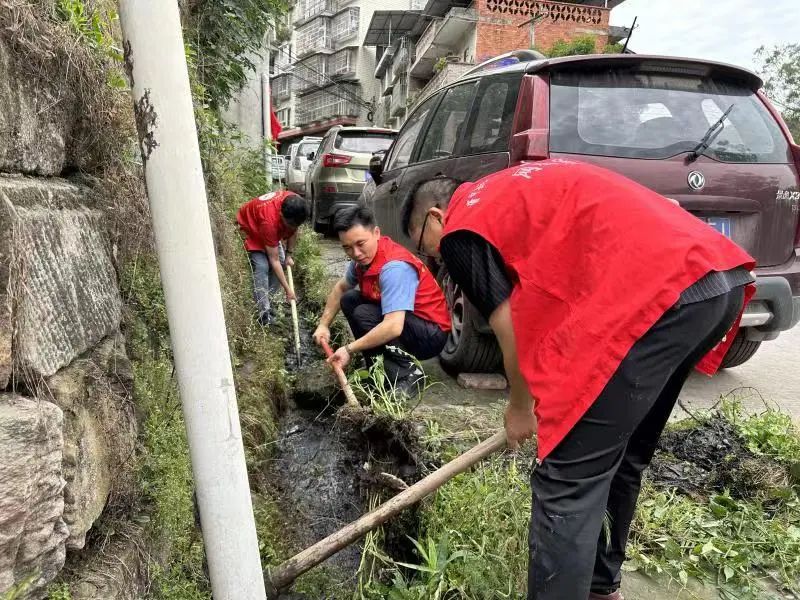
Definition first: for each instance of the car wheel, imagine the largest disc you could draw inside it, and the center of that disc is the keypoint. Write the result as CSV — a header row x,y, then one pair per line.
x,y
740,352
467,349
318,227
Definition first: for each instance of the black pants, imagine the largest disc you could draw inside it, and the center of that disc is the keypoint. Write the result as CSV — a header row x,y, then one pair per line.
x,y
597,468
420,338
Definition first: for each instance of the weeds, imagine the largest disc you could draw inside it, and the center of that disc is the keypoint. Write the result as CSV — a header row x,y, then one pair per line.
x,y
59,592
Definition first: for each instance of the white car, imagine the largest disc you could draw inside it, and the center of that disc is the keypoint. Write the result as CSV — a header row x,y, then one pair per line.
x,y
299,163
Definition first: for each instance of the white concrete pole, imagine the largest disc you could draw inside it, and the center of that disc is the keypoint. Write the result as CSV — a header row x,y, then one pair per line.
x,y
154,56
266,107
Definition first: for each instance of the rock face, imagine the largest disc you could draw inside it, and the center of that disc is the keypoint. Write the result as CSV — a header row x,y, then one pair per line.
x,y
37,115
99,433
58,291
32,530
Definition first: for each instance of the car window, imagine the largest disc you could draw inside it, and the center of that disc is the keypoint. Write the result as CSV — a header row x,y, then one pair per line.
x,y
404,145
447,123
307,148
490,128
361,141
659,115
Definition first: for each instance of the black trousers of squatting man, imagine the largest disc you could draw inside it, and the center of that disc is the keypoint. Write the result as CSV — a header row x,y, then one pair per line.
x,y
598,466
420,338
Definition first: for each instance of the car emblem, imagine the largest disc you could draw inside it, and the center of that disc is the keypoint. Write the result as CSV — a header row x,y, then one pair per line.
x,y
697,180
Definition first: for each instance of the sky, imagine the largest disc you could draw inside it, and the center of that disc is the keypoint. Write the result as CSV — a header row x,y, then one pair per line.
x,y
724,30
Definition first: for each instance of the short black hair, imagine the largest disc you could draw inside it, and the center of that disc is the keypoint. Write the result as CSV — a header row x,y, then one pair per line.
x,y
425,194
294,210
347,218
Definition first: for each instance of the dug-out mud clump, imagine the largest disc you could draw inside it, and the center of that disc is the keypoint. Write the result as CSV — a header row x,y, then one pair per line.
x,y
711,457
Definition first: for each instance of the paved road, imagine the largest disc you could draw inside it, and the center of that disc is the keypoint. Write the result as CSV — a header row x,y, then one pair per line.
x,y
772,374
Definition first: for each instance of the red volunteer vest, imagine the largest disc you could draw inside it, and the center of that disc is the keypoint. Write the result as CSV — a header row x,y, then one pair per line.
x,y
596,260
429,303
260,220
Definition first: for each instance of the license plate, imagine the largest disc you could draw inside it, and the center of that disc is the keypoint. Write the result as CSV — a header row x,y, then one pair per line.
x,y
721,224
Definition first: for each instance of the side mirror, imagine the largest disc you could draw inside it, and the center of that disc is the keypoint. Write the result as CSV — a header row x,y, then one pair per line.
x,y
310,156
376,167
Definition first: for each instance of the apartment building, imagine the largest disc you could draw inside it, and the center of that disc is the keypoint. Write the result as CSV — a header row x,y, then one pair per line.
x,y
420,51
324,75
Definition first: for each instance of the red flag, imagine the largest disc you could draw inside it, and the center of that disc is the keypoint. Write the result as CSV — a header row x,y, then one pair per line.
x,y
274,124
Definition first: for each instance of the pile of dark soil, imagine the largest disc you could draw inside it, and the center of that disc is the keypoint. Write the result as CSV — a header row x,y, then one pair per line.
x,y
711,457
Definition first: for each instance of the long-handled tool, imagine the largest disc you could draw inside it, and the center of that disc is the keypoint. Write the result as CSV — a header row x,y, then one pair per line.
x,y
293,305
283,575
345,385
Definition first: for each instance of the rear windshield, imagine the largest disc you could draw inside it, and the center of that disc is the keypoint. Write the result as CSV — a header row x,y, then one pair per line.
x,y
363,142
307,147
655,115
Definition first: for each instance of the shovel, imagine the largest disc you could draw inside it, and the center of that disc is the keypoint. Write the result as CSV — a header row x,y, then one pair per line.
x,y
293,305
284,574
343,383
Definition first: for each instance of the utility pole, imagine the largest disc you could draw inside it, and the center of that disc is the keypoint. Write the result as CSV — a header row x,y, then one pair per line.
x,y
266,121
156,64
532,22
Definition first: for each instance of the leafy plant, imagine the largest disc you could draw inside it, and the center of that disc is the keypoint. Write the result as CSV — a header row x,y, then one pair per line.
x,y
59,591
227,35
378,389
440,64
780,68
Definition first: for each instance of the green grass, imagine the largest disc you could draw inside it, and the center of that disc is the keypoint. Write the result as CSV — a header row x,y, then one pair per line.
x,y
472,541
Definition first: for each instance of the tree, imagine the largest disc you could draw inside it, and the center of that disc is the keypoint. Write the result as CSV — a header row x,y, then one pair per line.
x,y
779,66
583,44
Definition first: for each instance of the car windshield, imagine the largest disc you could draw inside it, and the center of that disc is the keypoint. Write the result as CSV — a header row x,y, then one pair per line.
x,y
658,115
367,143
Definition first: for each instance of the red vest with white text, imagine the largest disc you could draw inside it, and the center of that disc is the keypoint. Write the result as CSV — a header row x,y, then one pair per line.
x,y
429,302
596,259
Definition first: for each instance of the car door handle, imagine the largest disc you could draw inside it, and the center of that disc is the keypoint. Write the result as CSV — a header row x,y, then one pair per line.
x,y
393,189
439,174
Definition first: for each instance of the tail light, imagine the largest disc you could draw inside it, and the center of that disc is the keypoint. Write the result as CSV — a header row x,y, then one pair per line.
x,y
335,160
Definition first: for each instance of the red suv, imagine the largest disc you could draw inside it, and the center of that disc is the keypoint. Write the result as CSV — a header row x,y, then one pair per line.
x,y
699,132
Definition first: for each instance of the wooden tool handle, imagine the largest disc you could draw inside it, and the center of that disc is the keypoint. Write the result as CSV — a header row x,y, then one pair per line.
x,y
345,385
287,572
293,305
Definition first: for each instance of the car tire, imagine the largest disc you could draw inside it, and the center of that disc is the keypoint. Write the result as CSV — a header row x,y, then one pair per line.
x,y
318,227
740,352
467,349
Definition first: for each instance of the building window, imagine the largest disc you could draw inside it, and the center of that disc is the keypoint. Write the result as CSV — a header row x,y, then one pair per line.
x,y
328,104
281,87
284,117
345,25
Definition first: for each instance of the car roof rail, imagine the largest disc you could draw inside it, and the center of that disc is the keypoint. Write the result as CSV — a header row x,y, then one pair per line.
x,y
505,60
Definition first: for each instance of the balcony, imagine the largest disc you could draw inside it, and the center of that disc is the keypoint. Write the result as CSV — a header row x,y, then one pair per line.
x,y
400,63
440,38
305,10
281,86
323,105
450,73
399,96
344,26
313,37
310,73
342,64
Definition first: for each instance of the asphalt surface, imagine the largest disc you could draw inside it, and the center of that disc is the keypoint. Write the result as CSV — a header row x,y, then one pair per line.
x,y
771,377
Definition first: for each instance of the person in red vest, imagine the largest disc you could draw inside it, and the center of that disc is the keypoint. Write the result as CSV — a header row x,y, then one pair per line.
x,y
398,310
603,296
267,221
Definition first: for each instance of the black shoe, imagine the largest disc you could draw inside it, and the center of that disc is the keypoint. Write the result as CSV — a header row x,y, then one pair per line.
x,y
265,320
411,385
